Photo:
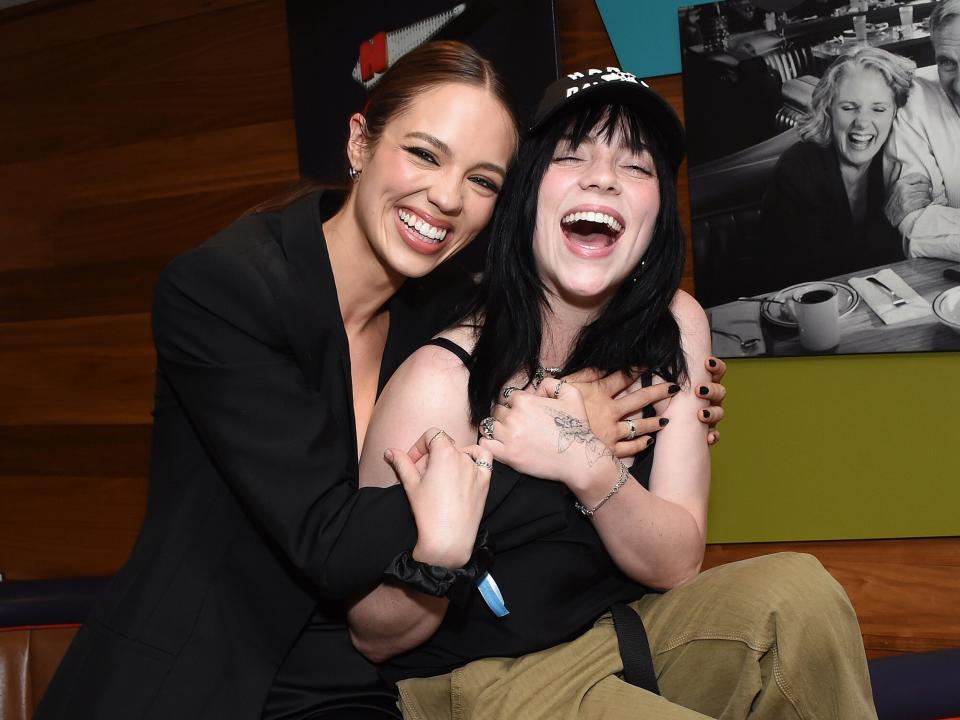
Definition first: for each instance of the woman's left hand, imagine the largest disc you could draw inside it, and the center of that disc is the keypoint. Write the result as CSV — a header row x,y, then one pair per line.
x,y
545,433
614,415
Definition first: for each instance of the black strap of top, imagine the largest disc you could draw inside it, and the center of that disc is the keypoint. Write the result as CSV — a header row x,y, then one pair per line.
x,y
634,649
452,347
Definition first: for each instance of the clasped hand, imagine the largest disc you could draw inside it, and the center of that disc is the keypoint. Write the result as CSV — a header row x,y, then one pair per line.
x,y
533,431
447,488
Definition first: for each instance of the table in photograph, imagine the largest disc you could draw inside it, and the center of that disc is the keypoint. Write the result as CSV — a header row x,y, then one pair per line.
x,y
861,331
895,39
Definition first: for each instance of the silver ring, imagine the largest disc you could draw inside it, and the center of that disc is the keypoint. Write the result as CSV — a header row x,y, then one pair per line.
x,y
439,433
486,428
556,390
484,464
509,390
537,377
633,428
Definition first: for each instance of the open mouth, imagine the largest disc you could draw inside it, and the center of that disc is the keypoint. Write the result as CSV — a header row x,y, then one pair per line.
x,y
590,230
424,231
859,141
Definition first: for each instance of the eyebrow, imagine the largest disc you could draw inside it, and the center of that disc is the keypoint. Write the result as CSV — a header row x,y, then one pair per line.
x,y
445,149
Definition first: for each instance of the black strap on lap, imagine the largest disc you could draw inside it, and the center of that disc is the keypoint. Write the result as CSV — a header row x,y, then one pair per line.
x,y
634,649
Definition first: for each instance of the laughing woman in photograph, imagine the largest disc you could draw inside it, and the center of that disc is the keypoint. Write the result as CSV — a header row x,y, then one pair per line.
x,y
583,268
823,212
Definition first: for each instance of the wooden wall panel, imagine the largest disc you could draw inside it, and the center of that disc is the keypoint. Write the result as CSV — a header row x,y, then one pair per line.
x,y
163,81
904,591
129,132
79,450
85,371
45,24
55,526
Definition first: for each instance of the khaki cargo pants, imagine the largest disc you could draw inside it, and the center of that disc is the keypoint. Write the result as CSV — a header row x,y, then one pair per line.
x,y
770,637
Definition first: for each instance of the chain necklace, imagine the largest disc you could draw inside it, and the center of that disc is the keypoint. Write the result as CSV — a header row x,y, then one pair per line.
x,y
541,372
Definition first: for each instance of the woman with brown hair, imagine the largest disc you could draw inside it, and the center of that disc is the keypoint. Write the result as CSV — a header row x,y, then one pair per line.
x,y
273,341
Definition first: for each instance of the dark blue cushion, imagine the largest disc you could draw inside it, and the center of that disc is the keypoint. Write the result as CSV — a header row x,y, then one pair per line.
x,y
917,686
62,601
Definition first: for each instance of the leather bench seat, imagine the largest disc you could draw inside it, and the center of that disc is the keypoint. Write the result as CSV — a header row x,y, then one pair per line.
x,y
38,619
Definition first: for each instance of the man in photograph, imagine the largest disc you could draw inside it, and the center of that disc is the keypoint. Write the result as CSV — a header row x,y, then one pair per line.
x,y
923,154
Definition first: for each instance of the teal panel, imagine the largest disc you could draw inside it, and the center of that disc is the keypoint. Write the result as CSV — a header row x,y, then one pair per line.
x,y
644,34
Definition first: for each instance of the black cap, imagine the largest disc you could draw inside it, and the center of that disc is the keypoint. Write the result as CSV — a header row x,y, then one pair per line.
x,y
614,85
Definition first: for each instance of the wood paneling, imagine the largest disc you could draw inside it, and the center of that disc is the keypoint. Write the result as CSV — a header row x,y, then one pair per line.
x,y
129,132
45,24
81,450
904,591
87,371
67,525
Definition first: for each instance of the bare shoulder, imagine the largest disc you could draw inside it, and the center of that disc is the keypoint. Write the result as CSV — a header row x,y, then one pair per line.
x,y
690,316
428,390
464,335
431,374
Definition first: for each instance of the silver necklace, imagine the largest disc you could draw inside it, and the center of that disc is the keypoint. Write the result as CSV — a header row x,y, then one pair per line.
x,y
541,372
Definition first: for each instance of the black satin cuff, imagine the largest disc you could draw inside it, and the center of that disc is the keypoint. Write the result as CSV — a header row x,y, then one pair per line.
x,y
438,581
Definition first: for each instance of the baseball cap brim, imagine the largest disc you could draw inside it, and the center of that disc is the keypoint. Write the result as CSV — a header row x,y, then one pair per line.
x,y
620,88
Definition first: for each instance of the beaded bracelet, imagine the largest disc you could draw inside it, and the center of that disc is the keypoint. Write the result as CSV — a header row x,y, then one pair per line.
x,y
621,481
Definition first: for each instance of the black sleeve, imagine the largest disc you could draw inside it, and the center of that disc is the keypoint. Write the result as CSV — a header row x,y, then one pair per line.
x,y
283,448
793,217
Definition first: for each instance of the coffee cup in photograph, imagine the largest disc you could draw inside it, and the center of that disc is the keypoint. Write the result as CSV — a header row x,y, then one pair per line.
x,y
817,309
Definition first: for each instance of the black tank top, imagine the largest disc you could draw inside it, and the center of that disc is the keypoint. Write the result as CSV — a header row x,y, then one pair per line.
x,y
555,585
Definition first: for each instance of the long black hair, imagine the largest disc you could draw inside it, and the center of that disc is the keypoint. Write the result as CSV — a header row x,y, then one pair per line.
x,y
635,329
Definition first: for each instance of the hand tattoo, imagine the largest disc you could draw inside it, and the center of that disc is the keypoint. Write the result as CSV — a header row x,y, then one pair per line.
x,y
574,430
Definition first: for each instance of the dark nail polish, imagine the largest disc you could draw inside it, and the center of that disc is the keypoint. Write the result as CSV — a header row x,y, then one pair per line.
x,y
703,390
664,421
706,413
673,389
711,362
651,441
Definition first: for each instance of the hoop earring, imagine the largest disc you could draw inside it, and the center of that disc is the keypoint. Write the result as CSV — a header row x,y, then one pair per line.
x,y
354,173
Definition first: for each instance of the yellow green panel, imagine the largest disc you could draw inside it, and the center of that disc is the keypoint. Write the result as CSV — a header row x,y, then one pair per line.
x,y
829,448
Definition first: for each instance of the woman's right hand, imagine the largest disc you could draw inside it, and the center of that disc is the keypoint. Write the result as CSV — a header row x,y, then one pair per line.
x,y
447,489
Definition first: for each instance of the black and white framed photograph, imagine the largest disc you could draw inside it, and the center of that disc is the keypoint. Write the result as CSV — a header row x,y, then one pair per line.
x,y
824,174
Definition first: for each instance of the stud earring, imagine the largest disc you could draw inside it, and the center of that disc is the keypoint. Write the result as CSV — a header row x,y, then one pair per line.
x,y
643,266
354,173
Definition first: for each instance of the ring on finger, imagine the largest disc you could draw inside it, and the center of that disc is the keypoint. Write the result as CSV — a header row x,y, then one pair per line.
x,y
439,433
509,390
556,390
484,464
486,428
632,428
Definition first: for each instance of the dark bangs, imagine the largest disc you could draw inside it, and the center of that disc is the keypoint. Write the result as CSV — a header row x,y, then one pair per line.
x,y
604,121
636,328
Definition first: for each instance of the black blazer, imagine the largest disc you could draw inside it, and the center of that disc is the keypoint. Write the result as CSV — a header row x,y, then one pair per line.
x,y
808,228
254,518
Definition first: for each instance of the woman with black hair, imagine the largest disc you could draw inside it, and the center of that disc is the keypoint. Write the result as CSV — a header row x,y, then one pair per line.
x,y
585,259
